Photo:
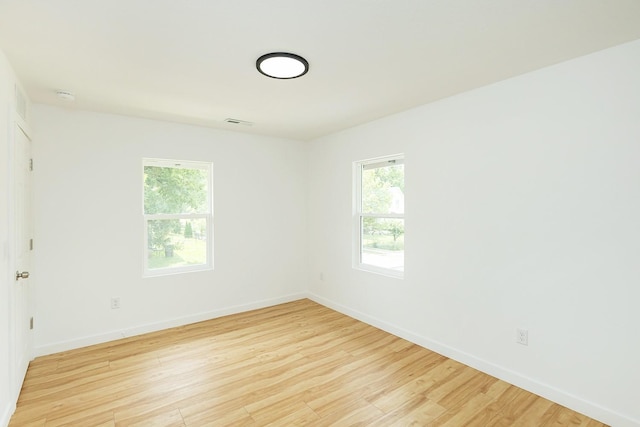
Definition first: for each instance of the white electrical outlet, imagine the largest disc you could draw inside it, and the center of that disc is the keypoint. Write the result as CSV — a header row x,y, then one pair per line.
x,y
522,336
115,303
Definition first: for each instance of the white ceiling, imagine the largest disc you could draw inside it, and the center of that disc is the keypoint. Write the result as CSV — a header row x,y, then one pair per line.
x,y
193,61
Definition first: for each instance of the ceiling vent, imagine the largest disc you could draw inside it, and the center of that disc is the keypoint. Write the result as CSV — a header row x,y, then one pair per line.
x,y
238,122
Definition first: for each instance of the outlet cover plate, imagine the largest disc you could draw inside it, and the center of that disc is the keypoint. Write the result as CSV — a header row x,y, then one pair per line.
x,y
522,336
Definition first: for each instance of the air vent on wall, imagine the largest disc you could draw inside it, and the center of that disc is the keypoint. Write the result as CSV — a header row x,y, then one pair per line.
x,y
238,122
65,95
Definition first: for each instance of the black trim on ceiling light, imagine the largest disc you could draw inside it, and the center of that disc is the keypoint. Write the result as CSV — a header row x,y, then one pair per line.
x,y
269,65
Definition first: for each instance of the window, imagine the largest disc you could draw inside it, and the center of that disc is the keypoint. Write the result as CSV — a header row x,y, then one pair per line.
x,y
178,217
379,215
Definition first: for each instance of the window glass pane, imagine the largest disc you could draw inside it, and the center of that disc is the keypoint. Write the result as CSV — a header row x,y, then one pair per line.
x,y
176,242
172,190
383,242
383,189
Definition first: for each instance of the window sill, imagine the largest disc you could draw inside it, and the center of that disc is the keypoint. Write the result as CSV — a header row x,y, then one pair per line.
x,y
396,274
173,271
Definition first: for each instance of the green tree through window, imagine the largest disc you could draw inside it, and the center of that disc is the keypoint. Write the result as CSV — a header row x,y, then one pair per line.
x,y
380,216
176,201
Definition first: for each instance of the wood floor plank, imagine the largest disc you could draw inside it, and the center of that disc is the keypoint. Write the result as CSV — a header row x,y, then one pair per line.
x,y
358,413
292,364
463,412
216,412
149,419
84,418
417,410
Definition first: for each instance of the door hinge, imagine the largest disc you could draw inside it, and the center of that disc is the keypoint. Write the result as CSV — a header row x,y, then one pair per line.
x,y
30,164
30,244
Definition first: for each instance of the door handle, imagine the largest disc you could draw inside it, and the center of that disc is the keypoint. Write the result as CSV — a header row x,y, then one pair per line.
x,y
23,275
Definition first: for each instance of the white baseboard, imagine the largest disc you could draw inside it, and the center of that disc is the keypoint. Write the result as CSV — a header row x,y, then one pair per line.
x,y
158,326
5,414
547,391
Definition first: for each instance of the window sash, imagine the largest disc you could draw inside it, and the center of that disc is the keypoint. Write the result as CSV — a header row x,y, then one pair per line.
x,y
177,216
375,164
381,215
162,271
183,164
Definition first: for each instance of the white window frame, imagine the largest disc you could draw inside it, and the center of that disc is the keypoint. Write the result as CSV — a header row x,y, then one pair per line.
x,y
207,216
358,215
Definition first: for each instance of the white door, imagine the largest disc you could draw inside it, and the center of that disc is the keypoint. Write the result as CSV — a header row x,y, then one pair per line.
x,y
22,225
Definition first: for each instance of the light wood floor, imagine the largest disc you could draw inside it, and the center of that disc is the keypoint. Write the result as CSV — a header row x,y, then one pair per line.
x,y
293,364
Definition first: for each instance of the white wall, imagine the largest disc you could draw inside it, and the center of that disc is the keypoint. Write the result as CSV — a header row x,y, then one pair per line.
x,y
522,211
88,248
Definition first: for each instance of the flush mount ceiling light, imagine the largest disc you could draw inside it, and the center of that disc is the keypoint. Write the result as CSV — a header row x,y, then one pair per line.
x,y
282,65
